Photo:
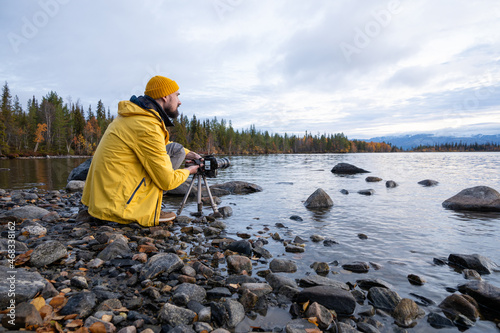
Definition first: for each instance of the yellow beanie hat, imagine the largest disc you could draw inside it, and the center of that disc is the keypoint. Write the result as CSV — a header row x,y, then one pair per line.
x,y
160,86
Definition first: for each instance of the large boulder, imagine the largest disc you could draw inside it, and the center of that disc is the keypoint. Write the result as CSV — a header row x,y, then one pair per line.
x,y
330,297
319,199
484,293
234,187
477,262
479,198
81,171
347,169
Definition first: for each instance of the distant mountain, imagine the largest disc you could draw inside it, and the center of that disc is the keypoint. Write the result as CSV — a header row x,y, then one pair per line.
x,y
412,141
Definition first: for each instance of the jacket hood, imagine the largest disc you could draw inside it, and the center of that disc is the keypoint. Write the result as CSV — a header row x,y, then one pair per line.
x,y
147,104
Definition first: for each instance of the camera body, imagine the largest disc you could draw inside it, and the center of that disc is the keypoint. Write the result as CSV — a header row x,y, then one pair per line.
x,y
210,165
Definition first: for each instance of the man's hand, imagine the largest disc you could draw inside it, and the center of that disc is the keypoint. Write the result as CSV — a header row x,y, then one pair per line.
x,y
193,169
192,156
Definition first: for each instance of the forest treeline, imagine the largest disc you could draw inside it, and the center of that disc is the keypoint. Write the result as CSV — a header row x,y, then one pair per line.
x,y
51,126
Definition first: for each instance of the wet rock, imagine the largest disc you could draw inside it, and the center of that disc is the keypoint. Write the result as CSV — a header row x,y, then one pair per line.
x,y
347,169
236,187
362,236
455,305
218,292
27,212
316,280
262,252
406,312
346,328
47,253
317,238
367,192
174,315
416,280
75,186
372,179
238,264
484,293
300,326
321,268
235,312
332,298
115,249
188,292
226,211
391,184
428,182
242,246
294,249
366,284
477,262
383,298
25,316
438,321
259,289
323,315
357,267
80,172
277,281
479,198
160,263
278,265
367,328
470,274
319,199
329,242
82,303
296,218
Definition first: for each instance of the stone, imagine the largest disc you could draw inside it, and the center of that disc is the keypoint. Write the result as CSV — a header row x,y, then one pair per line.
x,y
75,186
189,292
372,179
294,249
80,172
47,253
174,315
317,238
82,304
19,247
262,252
366,284
28,212
347,169
259,289
479,198
235,187
319,199
96,325
242,246
115,249
51,217
277,281
428,182
477,262
278,265
128,329
218,292
357,267
406,312
26,316
438,321
383,298
456,304
160,263
484,293
391,184
330,297
367,192
79,282
321,268
300,326
34,230
296,218
226,211
323,315
416,280
316,280
235,312
238,264
470,274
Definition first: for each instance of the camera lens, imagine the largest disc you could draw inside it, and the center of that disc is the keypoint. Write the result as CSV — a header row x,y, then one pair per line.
x,y
223,163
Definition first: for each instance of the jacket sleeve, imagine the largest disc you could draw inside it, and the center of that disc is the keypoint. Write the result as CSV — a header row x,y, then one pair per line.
x,y
153,156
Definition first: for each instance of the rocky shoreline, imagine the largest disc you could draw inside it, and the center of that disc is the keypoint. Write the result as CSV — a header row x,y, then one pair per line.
x,y
63,271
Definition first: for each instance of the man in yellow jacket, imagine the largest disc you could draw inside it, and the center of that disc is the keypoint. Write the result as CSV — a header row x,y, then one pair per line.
x,y
135,161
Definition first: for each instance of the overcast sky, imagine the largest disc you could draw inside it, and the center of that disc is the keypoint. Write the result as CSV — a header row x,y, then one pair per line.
x,y
365,68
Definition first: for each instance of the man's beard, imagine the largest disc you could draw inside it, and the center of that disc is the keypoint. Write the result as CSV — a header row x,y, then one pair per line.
x,y
171,112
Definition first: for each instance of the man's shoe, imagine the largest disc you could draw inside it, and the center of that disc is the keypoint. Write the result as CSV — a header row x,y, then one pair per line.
x,y
167,216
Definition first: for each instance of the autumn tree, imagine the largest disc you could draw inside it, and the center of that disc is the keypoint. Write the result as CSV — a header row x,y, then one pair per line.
x,y
39,137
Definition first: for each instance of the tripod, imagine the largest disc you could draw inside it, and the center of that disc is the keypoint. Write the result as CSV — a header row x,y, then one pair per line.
x,y
199,177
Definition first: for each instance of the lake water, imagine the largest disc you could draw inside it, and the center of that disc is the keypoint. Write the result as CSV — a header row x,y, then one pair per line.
x,y
406,226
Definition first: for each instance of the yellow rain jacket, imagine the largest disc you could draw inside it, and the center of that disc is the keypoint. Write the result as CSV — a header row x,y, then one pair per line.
x,y
131,169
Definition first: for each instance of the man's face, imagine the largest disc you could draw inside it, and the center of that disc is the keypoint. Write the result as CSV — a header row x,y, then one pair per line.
x,y
172,105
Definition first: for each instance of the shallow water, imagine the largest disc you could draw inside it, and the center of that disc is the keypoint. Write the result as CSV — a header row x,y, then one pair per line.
x,y
406,226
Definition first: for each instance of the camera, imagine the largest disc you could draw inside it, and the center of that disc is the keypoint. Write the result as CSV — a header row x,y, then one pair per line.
x,y
210,165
